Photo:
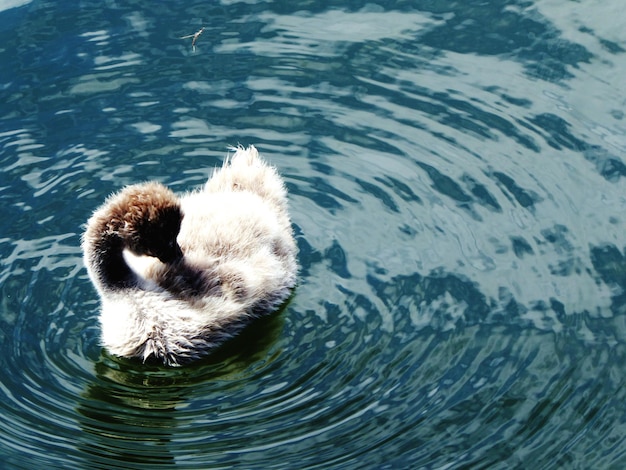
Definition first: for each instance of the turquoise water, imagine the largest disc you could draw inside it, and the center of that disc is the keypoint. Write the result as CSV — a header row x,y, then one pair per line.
x,y
457,186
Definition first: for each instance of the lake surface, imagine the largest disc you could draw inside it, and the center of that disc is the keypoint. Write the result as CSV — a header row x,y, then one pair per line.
x,y
457,186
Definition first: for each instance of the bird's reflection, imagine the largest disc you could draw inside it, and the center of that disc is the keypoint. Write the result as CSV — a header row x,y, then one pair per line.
x,y
132,411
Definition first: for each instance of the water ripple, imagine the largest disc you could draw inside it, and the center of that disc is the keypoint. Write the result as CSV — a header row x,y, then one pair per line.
x,y
456,188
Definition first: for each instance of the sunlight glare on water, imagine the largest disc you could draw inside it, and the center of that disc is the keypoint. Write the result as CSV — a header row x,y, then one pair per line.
x,y
456,179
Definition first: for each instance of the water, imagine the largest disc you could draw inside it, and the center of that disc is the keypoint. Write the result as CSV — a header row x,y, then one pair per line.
x,y
456,175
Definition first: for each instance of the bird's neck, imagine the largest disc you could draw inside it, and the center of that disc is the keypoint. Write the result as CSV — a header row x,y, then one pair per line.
x,y
115,270
108,263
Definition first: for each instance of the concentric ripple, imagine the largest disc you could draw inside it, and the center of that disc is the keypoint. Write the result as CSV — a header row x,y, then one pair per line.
x,y
456,186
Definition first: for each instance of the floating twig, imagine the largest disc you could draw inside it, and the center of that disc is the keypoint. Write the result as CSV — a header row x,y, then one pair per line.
x,y
195,37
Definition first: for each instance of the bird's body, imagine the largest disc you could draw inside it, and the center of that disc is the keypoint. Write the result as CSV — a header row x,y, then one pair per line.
x,y
233,258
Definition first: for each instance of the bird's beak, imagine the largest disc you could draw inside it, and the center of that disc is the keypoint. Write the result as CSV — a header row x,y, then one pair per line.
x,y
172,255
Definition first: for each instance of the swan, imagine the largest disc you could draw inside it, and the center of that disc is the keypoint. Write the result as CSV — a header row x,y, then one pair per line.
x,y
179,275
